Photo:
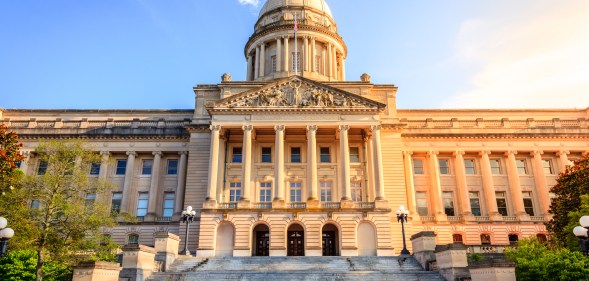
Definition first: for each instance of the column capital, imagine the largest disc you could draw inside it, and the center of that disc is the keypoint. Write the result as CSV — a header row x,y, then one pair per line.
x,y
285,37
563,152
312,128
182,153
433,153
484,152
458,153
105,153
536,153
343,127
279,128
407,153
215,128
247,127
263,45
375,127
510,152
157,153
131,153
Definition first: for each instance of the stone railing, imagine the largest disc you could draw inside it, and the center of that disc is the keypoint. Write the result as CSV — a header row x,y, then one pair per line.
x,y
454,218
91,124
509,218
263,205
487,249
426,218
482,219
364,205
331,205
140,219
502,123
297,205
164,219
227,206
537,219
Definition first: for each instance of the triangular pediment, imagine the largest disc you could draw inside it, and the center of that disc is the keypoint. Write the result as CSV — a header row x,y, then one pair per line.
x,y
298,94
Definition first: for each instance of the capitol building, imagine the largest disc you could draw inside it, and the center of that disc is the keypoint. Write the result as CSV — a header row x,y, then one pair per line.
x,y
299,161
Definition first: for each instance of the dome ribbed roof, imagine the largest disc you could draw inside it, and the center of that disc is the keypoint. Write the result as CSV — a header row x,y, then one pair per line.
x,y
316,4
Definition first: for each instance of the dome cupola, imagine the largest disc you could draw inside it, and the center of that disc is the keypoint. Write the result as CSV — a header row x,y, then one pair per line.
x,y
318,52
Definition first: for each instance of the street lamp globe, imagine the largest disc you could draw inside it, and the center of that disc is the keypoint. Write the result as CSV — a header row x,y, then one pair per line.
x,y
6,233
584,221
580,231
3,222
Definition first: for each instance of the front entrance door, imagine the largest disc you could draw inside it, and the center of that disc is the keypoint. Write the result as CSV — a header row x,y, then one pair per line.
x,y
296,243
329,243
262,243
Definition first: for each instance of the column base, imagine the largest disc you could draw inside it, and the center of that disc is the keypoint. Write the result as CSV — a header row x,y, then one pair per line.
x,y
414,217
278,203
495,217
243,204
523,217
441,218
381,204
346,203
210,204
468,218
313,203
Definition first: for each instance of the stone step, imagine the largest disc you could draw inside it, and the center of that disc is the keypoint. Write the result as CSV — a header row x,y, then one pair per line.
x,y
297,276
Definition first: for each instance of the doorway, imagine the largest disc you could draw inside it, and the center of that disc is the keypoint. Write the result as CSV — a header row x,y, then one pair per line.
x,y
261,235
295,241
329,237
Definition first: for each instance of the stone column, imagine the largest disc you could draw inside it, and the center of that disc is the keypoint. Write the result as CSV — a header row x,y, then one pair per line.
x,y
278,55
489,187
343,69
312,162
378,169
24,164
181,186
306,55
104,165
213,167
279,166
541,186
262,59
153,187
564,159
329,58
128,184
515,186
257,65
247,165
313,55
286,54
410,184
324,60
370,186
436,188
345,160
249,68
462,187
334,62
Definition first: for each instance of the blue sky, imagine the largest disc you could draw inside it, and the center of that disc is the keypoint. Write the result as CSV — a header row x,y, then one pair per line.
x,y
148,54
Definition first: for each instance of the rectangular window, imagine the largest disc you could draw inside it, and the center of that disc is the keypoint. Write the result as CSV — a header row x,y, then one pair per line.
x,y
469,167
169,198
142,203
324,155
444,168
296,58
528,203
265,192
354,155
236,155
266,155
475,203
356,189
421,201
42,168
146,167
521,166
121,167
234,191
547,166
418,166
448,203
325,187
273,60
501,203
172,167
90,199
95,169
295,155
115,205
495,166
295,192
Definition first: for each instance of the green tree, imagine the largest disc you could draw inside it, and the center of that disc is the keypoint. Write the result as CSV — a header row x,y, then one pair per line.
x,y
9,157
571,185
21,265
536,261
63,225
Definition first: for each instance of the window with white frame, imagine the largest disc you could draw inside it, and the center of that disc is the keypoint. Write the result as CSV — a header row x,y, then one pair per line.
x,y
444,166
234,191
296,192
354,155
522,169
528,202
469,168
121,167
495,166
326,189
421,201
547,166
356,189
265,192
501,203
418,166
448,201
169,199
475,203
142,203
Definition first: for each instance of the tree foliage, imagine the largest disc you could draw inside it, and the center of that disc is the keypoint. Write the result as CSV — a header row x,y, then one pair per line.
x,y
571,185
70,207
20,265
9,156
536,261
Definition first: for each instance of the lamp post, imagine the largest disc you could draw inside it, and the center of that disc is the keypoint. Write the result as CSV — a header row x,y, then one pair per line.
x,y
583,233
187,217
5,235
402,215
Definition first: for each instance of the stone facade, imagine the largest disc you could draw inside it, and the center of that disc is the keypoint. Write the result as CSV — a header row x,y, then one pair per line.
x,y
306,163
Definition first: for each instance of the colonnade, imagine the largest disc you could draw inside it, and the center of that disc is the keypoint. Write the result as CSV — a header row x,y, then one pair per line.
x,y
488,187
372,142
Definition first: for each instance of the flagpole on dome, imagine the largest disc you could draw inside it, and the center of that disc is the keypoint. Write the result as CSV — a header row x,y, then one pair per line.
x,y
296,56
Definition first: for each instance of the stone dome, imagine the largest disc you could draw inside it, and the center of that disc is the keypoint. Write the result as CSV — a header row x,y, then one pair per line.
x,y
315,4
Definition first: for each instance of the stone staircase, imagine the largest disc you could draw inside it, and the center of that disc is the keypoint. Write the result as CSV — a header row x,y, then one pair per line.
x,y
296,268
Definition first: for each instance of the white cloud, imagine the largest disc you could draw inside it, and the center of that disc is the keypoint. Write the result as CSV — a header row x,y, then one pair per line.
x,y
254,3
537,61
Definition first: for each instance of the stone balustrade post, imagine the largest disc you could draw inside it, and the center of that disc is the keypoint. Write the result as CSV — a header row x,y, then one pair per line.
x,y
452,261
166,247
138,262
424,245
96,271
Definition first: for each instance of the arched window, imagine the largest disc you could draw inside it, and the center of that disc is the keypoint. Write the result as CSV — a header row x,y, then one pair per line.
x,y
133,239
513,238
457,238
485,239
